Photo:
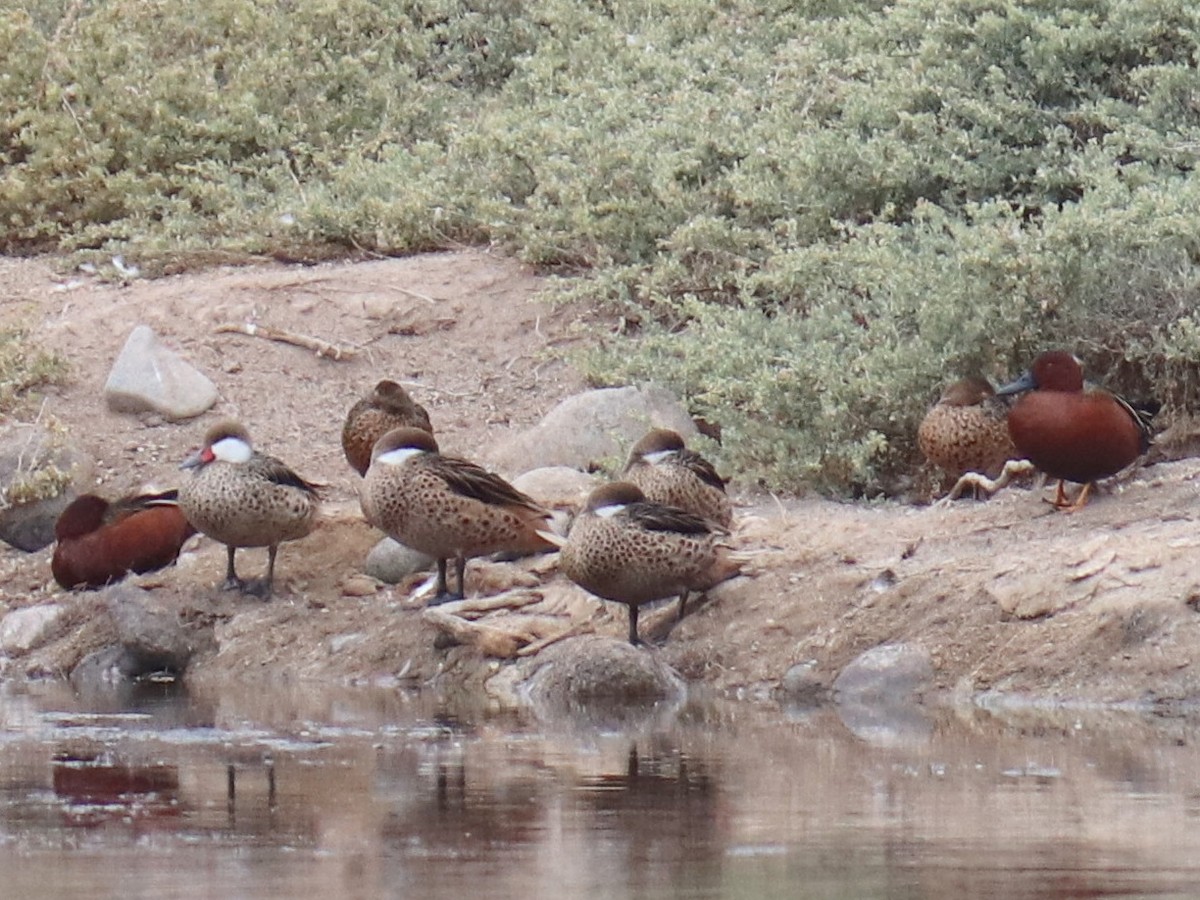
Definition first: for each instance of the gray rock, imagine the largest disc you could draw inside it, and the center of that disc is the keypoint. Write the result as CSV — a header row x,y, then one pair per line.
x,y
40,473
150,632
591,428
104,668
888,673
598,671
801,686
148,377
23,629
888,724
556,486
876,694
392,562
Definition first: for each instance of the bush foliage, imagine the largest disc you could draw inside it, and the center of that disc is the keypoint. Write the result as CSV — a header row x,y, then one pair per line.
x,y
818,211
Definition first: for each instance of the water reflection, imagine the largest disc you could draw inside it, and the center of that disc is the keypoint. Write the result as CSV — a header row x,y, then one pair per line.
x,y
298,791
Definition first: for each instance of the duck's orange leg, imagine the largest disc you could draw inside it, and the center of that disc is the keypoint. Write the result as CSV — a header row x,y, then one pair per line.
x,y
1060,496
1080,501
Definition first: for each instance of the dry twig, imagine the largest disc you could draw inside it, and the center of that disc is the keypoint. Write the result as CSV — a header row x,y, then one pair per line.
x,y
478,606
318,346
488,640
542,643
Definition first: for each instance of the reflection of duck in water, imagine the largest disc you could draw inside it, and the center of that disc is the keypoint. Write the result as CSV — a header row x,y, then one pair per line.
x,y
388,406
647,777
463,804
96,789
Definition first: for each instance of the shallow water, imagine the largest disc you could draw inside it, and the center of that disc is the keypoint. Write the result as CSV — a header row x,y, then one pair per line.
x,y
305,792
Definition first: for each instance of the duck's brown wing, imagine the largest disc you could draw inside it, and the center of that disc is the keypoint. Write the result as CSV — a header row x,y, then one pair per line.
x,y
656,517
1143,416
133,503
277,471
701,468
420,417
469,480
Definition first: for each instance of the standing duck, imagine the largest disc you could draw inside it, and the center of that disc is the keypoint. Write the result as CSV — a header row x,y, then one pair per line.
x,y
243,498
1070,432
625,548
99,542
388,406
446,507
669,473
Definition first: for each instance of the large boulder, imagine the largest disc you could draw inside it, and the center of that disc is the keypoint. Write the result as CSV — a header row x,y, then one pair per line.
x,y
592,429
148,377
150,631
556,487
877,694
40,473
598,670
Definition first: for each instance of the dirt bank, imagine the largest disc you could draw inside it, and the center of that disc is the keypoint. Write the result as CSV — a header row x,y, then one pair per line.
x,y
1006,596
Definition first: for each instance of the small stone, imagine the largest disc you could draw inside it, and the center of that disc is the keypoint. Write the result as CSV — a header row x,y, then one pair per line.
x,y
23,629
340,642
391,562
800,685
150,632
377,307
359,586
150,377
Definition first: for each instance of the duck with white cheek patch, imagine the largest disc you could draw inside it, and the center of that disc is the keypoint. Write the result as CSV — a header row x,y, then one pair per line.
x,y
625,548
446,507
243,498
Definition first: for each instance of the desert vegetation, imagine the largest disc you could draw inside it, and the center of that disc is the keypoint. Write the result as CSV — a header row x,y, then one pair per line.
x,y
808,214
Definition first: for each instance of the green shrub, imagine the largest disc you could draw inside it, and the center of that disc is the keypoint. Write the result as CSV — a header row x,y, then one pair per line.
x,y
812,213
23,368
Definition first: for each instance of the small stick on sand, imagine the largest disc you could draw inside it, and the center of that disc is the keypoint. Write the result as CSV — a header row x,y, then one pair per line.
x,y
318,346
542,643
488,640
473,607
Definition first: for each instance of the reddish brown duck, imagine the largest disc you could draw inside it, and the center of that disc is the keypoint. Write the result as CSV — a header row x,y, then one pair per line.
x,y
1072,431
101,542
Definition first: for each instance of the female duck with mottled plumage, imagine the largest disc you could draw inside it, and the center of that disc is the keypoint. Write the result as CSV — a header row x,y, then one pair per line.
x,y
388,406
667,472
243,498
